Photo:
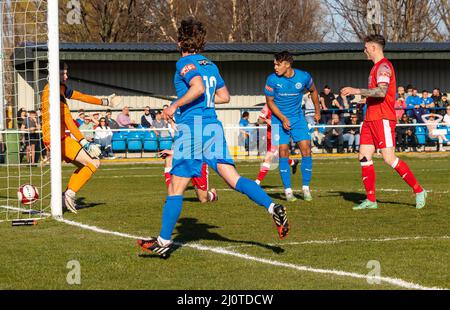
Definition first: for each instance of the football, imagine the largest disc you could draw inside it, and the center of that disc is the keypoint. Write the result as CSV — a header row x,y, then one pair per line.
x,y
27,194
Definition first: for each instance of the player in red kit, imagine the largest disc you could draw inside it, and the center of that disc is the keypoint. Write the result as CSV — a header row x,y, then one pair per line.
x,y
201,183
272,150
378,129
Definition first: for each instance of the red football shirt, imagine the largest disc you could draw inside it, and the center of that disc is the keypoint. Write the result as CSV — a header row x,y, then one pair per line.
x,y
266,114
382,108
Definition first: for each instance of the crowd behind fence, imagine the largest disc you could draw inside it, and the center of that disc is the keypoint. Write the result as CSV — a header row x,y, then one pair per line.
x,y
337,132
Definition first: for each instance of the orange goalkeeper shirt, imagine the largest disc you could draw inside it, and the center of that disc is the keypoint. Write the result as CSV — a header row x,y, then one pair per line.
x,y
66,121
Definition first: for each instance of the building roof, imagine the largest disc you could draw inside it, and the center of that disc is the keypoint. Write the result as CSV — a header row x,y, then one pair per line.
x,y
296,48
243,51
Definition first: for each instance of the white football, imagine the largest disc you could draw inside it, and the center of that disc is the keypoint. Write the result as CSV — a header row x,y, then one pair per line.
x,y
27,194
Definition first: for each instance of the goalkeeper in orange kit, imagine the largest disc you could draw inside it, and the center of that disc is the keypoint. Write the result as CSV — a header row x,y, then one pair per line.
x,y
76,149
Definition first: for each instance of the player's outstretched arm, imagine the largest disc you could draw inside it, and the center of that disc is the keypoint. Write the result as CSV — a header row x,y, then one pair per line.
x,y
110,101
222,96
377,92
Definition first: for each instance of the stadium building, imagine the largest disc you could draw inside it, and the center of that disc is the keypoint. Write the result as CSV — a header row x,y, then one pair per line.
x,y
143,72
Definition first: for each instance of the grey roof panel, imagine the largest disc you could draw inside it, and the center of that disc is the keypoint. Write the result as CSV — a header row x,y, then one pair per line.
x,y
296,48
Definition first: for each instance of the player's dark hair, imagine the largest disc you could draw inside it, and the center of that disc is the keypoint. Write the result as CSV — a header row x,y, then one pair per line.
x,y
376,38
424,91
245,114
63,66
284,56
191,36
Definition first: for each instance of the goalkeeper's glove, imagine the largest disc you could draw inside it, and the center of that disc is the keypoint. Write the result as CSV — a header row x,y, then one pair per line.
x,y
111,101
92,148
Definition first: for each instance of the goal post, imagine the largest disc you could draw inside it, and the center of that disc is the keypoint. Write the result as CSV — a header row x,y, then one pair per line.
x,y
29,59
55,130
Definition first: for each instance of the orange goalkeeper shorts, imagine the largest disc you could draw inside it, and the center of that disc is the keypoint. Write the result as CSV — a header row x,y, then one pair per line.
x,y
69,149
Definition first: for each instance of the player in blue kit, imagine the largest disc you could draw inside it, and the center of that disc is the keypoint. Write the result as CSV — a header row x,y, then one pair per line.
x,y
201,137
284,93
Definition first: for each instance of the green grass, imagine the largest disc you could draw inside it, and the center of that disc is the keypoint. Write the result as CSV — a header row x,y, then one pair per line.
x,y
129,199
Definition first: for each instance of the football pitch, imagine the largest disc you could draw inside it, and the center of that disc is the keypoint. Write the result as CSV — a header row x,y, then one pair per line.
x,y
232,243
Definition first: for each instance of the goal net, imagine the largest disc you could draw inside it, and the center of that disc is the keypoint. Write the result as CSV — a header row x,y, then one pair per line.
x,y
24,71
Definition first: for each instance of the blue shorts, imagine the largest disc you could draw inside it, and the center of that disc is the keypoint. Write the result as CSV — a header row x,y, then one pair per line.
x,y
299,132
200,141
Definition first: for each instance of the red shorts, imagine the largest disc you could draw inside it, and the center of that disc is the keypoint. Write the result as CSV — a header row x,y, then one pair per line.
x,y
202,181
379,133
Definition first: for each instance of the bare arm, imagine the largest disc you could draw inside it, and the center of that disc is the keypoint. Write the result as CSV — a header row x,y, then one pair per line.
x,y
222,96
377,92
273,107
196,89
275,111
315,100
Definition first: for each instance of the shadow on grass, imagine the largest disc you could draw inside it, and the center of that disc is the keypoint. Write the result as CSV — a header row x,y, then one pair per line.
x,y
189,230
82,204
357,198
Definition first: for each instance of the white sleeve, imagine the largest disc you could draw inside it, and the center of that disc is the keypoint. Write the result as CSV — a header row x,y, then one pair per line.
x,y
384,74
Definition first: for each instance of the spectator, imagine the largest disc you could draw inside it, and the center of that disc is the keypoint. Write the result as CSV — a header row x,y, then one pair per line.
x,y
147,118
308,106
409,91
244,134
334,135
110,121
412,101
351,134
400,106
87,128
317,138
418,111
344,104
21,117
171,124
447,116
124,120
32,140
427,103
432,120
327,103
159,123
405,135
103,136
95,119
442,104
80,119
436,95
400,92
2,150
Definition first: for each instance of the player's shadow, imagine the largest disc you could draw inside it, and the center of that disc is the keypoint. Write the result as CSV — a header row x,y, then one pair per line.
x,y
190,230
280,196
359,197
82,204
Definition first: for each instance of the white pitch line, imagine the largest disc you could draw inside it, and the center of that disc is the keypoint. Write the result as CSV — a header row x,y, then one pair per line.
x,y
220,250
337,241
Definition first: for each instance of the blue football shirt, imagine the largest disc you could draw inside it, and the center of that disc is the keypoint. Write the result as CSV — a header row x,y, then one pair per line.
x,y
288,92
187,68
